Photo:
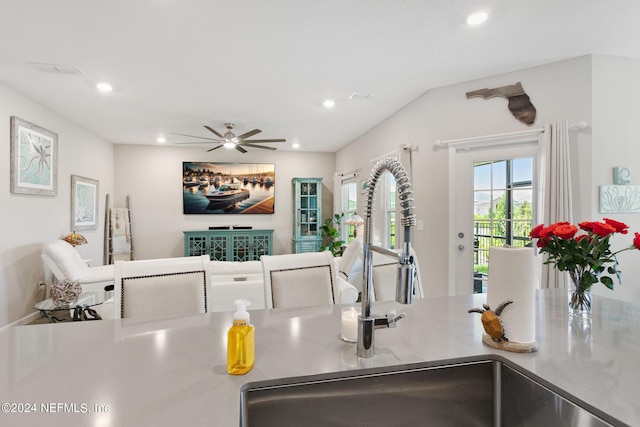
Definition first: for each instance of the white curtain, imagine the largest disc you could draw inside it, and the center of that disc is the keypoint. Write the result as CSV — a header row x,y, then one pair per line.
x,y
555,185
337,192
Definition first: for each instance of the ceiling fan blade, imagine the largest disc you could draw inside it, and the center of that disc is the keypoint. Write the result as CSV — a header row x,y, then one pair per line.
x,y
218,134
216,147
248,134
265,140
240,149
250,145
195,136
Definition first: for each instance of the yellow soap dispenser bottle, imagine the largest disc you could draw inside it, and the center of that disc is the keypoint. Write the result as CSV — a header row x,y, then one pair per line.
x,y
240,341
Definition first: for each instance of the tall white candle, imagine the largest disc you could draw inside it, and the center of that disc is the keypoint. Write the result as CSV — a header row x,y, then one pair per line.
x,y
350,323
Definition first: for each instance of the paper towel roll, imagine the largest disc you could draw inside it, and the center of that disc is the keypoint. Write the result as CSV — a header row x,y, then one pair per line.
x,y
513,275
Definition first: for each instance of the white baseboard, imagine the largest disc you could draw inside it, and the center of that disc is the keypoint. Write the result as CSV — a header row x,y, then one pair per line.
x,y
26,319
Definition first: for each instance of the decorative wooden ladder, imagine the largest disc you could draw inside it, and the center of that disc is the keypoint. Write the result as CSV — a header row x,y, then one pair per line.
x,y
118,240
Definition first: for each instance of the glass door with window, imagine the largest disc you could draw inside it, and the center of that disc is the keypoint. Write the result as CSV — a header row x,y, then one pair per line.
x,y
494,207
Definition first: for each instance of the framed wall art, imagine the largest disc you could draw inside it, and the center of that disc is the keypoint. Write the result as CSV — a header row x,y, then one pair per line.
x,y
228,188
619,199
34,159
84,203
364,186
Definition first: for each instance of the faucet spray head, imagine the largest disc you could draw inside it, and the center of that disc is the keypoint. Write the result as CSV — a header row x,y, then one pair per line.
x,y
405,283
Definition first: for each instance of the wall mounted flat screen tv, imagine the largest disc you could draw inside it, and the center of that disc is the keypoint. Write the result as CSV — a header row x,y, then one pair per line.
x,y
211,188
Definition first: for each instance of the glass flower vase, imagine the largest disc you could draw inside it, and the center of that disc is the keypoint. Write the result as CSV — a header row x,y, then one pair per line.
x,y
580,306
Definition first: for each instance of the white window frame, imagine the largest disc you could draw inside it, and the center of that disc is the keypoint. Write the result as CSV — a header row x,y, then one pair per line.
x,y
345,185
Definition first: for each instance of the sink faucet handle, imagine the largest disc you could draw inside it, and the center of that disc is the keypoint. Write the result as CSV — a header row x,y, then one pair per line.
x,y
392,319
389,320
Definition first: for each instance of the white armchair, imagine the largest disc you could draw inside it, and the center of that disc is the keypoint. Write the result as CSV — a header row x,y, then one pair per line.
x,y
350,264
63,262
385,270
306,279
162,287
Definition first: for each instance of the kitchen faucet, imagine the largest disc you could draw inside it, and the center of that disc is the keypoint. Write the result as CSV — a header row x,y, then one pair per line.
x,y
405,278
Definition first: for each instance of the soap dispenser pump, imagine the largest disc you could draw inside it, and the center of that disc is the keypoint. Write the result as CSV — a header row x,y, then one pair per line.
x,y
240,341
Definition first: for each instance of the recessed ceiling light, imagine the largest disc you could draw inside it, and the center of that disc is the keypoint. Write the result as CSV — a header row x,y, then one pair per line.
x,y
161,139
329,103
295,145
104,87
477,18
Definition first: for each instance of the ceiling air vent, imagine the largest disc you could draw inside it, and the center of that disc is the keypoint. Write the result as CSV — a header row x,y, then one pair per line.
x,y
56,68
357,96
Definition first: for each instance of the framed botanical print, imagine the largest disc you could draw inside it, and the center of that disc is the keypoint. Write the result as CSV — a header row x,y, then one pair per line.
x,y
84,203
34,159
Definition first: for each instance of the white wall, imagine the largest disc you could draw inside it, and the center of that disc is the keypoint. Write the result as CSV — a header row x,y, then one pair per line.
x,y
152,177
28,221
616,137
559,91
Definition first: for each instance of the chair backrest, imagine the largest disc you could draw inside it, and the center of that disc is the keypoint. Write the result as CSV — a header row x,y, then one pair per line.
x,y
64,260
162,287
385,270
299,280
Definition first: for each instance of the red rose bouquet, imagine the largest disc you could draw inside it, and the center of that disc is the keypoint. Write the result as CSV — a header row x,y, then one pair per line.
x,y
586,256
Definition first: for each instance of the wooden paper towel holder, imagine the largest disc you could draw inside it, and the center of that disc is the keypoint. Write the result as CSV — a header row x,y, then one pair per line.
x,y
516,347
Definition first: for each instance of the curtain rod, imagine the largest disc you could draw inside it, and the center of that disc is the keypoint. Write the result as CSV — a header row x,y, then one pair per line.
x,y
389,154
353,172
509,136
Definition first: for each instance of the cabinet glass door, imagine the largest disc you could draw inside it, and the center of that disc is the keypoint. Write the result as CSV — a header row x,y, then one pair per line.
x,y
308,209
218,248
260,246
241,247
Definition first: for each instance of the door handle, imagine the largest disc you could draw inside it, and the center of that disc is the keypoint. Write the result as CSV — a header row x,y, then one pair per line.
x,y
461,248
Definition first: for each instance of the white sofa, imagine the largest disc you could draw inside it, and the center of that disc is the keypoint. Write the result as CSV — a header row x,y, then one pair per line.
x,y
234,280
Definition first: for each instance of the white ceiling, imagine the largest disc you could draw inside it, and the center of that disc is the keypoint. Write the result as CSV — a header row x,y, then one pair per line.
x,y
177,65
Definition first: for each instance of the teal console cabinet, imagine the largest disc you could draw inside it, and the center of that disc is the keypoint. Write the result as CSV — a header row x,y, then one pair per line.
x,y
229,245
307,214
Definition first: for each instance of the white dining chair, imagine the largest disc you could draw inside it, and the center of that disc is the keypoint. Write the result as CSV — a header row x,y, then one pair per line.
x,y
305,279
162,287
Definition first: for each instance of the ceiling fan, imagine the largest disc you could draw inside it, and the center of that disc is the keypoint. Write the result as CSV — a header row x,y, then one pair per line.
x,y
230,140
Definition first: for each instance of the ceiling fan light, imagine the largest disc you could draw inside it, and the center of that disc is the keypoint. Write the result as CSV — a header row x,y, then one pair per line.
x,y
229,144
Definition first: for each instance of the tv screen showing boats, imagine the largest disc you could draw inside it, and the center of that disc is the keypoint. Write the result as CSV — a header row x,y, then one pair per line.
x,y
228,188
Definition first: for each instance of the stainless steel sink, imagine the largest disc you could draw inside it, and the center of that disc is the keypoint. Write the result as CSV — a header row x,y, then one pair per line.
x,y
464,392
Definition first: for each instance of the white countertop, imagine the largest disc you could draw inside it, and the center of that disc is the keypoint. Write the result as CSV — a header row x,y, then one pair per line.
x,y
173,372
